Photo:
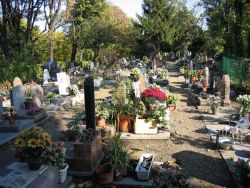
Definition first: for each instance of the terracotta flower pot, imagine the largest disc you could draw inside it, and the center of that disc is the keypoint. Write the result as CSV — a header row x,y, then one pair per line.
x,y
104,174
172,107
100,122
124,123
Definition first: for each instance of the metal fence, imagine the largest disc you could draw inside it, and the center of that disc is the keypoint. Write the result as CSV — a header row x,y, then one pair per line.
x,y
236,69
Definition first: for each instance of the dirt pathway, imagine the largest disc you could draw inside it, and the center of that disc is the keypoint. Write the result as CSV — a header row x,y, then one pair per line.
x,y
189,143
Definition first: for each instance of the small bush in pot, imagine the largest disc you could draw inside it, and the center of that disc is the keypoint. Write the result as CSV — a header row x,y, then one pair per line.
x,y
215,103
31,147
102,113
172,101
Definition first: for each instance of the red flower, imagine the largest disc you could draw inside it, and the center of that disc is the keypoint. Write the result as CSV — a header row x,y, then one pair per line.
x,y
154,92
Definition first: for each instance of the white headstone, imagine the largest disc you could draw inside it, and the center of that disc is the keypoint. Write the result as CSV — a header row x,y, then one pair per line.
x,y
136,88
207,73
17,98
63,83
46,76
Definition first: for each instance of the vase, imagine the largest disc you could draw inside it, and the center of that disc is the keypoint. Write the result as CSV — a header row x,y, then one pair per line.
x,y
124,123
215,111
104,174
172,107
62,174
34,165
100,122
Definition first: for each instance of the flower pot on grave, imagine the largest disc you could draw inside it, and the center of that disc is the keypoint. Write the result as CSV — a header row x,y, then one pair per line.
x,y
215,111
124,122
104,174
28,104
34,165
62,174
100,122
141,126
172,107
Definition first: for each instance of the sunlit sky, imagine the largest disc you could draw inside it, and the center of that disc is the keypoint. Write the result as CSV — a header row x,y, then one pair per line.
x,y
133,7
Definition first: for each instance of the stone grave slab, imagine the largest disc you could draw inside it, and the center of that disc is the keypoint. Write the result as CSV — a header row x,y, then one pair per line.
x,y
36,117
19,126
21,176
159,136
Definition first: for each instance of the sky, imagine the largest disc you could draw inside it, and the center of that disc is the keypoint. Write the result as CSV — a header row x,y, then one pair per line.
x,y
133,7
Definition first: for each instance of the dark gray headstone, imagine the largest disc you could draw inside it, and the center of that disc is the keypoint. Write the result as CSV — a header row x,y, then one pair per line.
x,y
89,95
17,98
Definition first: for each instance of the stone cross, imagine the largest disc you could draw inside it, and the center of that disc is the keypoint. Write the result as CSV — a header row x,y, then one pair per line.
x,y
89,96
17,82
17,98
226,90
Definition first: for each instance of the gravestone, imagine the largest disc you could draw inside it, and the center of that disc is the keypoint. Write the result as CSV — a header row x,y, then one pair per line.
x,y
63,83
142,83
225,92
37,96
46,76
17,98
207,74
136,88
89,95
17,82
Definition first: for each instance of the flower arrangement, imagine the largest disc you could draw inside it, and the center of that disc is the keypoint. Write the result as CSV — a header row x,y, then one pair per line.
x,y
32,145
155,93
55,155
157,116
172,99
28,92
244,101
214,102
10,113
33,110
72,91
135,73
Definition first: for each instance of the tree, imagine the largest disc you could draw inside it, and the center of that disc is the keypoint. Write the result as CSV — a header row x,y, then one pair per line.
x,y
158,22
81,11
17,19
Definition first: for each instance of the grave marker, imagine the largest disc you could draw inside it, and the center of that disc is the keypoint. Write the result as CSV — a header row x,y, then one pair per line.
x,y
89,96
17,98
46,76
17,82
226,90
63,83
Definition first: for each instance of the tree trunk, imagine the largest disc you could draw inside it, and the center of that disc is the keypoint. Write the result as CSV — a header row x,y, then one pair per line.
x,y
248,45
51,47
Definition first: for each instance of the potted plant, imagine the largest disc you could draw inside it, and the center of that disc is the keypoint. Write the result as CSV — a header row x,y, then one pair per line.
x,y
55,155
135,74
214,103
73,133
125,112
50,97
10,115
172,101
117,156
102,113
72,91
244,101
31,147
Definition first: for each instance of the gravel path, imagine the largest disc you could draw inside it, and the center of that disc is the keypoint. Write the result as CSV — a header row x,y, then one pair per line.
x,y
189,144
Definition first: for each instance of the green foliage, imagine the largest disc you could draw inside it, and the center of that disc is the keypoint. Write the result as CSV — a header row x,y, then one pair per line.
x,y
172,99
102,110
72,91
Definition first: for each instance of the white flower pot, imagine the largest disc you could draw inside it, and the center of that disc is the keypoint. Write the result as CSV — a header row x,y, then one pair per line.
x,y
142,173
143,127
62,174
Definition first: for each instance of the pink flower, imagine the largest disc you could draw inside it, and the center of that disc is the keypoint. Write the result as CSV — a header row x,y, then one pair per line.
x,y
155,92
